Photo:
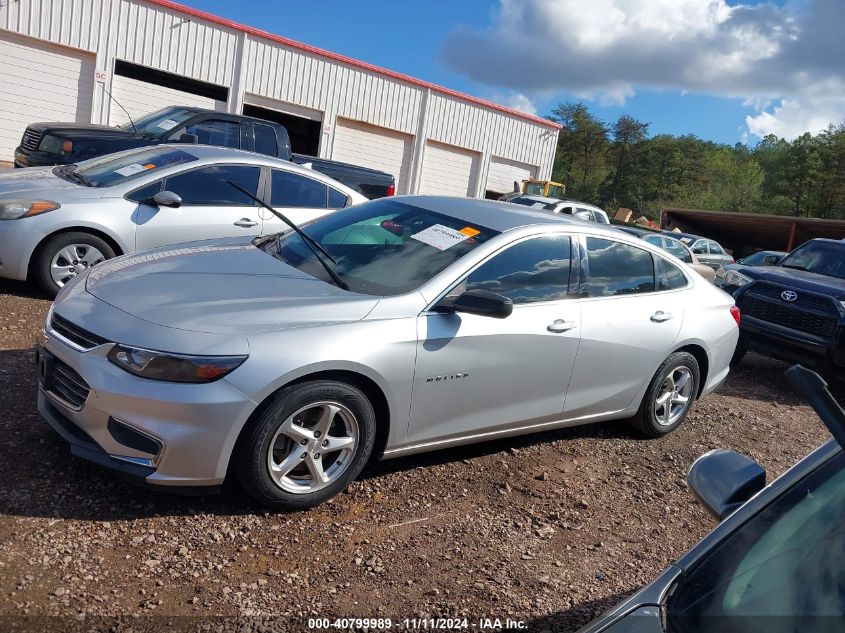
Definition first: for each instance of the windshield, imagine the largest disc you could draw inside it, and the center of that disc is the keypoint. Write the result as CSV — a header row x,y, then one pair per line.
x,y
116,169
159,123
382,247
823,258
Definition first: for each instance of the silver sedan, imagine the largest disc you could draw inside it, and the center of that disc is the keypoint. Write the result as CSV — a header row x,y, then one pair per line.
x,y
57,221
423,323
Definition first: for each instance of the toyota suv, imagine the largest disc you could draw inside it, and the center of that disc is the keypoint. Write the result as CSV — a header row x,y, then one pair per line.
x,y
795,311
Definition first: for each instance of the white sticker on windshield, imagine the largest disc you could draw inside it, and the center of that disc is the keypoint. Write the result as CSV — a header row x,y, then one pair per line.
x,y
168,124
130,170
440,237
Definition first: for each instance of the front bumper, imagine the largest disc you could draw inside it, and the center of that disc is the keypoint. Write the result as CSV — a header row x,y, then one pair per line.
x,y
788,345
192,428
18,240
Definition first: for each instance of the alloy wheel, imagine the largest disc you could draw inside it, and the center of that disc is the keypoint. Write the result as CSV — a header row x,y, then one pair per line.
x,y
313,447
674,397
72,260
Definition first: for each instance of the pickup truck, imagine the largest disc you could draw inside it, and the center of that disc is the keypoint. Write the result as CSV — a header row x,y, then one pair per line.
x,y
62,143
795,311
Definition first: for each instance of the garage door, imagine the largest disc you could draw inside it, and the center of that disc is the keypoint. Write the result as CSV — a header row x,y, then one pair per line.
x,y
141,97
503,173
374,147
40,81
449,170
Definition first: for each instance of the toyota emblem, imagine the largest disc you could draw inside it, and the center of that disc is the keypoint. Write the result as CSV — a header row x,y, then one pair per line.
x,y
789,295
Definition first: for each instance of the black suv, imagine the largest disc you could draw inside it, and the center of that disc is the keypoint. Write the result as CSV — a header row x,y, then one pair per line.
x,y
794,311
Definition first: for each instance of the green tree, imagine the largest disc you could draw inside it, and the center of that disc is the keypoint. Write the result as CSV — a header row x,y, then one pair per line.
x,y
582,150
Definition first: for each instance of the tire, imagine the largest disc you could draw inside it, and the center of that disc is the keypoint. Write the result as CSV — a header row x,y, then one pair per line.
x,y
653,420
290,428
73,252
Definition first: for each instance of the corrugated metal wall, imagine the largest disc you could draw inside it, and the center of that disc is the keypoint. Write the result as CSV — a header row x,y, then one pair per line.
x,y
163,38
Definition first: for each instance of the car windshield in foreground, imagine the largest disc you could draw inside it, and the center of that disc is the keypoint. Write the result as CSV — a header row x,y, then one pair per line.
x,y
823,258
116,169
159,123
383,247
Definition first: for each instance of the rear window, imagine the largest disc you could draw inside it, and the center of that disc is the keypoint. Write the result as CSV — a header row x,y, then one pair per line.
x,y
116,169
618,269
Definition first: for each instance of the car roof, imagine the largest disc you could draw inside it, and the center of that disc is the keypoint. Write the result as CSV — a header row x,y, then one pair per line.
x,y
496,215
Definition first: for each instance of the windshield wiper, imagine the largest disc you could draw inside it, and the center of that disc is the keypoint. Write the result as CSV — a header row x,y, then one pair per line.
x,y
69,172
314,246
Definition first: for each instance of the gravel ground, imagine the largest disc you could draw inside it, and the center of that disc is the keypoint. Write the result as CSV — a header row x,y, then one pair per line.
x,y
550,529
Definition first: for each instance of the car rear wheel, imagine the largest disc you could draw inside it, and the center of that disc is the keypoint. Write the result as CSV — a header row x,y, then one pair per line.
x,y
308,445
65,255
669,396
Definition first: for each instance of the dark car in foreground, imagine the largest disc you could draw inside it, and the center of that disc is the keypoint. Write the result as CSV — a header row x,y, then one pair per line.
x,y
46,144
795,311
370,183
776,562
727,280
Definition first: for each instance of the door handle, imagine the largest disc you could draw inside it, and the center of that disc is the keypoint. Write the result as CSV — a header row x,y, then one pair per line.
x,y
562,326
660,316
246,223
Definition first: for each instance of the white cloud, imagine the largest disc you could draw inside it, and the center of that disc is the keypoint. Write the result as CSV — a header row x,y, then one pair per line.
x,y
605,49
517,101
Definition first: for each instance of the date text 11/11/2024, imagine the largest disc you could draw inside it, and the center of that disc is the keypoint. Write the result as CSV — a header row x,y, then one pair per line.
x,y
418,624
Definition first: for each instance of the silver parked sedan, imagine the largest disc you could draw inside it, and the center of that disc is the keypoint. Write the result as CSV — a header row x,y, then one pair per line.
x,y
423,323
57,221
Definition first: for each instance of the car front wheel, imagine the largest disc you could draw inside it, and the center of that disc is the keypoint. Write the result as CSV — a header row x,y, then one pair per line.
x,y
64,256
669,396
308,445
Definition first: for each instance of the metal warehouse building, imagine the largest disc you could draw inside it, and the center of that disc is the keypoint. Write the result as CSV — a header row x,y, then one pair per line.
x,y
58,58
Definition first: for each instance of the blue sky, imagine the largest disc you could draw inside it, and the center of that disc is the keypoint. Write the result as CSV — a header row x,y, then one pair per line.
x,y
522,52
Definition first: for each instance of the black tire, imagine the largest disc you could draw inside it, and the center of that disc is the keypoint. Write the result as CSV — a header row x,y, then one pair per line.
x,y
645,421
251,454
54,245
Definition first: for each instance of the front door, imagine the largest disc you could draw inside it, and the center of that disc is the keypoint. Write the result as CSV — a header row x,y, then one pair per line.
x,y
630,319
475,374
211,207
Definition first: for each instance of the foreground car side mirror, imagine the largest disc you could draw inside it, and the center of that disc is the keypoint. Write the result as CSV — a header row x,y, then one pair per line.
x,y
724,480
479,302
166,199
192,139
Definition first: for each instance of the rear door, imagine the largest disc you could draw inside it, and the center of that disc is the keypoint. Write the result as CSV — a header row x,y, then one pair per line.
x,y
630,319
210,208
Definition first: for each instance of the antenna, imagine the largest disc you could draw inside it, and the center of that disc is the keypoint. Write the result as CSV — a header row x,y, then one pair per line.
x,y
129,116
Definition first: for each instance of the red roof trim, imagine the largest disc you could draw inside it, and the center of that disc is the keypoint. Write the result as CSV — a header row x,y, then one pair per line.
x,y
352,62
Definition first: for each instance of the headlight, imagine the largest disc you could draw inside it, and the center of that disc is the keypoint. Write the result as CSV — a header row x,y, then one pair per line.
x,y
173,367
55,145
16,209
736,278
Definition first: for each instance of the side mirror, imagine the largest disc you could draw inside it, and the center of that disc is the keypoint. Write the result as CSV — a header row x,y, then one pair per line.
x,y
480,302
166,199
724,480
193,139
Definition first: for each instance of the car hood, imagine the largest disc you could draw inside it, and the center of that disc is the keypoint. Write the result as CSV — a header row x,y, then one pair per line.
x,y
221,286
798,279
32,181
85,129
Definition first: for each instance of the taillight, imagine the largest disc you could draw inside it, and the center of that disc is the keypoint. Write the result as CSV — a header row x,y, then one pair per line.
x,y
390,225
391,190
735,314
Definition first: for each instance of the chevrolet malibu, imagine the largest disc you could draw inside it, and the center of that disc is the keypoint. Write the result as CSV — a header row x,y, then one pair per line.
x,y
57,221
393,327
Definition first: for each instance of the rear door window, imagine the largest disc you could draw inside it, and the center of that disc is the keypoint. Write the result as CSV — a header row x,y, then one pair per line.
x,y
618,269
669,276
337,200
293,190
699,248
209,186
265,140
